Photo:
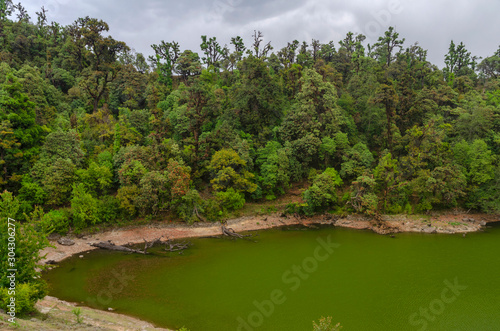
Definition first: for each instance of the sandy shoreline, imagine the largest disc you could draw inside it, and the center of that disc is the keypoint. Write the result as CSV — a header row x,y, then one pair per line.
x,y
448,223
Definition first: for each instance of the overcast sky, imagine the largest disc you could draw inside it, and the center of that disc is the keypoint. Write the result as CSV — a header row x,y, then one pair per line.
x,y
432,23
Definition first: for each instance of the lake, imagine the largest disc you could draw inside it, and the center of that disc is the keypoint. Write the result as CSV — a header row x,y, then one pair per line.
x,y
287,277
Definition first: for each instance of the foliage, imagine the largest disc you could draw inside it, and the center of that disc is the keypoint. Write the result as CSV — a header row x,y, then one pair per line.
x,y
28,243
322,192
90,133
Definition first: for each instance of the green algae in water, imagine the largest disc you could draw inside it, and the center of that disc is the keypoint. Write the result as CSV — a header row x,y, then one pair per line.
x,y
367,282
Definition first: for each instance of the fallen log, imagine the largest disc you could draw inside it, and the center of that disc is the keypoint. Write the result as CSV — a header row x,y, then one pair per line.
x,y
174,247
112,247
229,232
147,245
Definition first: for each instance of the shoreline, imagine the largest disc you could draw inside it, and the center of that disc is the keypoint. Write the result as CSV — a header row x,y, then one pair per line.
x,y
447,223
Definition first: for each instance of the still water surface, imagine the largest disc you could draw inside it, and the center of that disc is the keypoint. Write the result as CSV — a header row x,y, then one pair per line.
x,y
292,276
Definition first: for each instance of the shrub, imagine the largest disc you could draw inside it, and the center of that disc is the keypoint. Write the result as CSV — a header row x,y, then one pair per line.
x,y
26,296
321,194
230,199
57,220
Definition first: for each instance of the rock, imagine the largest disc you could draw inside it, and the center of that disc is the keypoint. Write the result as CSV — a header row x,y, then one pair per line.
x,y
66,242
429,230
50,262
81,256
110,309
54,236
482,223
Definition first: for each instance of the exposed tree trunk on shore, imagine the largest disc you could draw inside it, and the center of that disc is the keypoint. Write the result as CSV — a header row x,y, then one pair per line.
x,y
231,233
174,247
112,247
169,246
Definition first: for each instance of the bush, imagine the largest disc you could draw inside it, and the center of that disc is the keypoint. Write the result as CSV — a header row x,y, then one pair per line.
x,y
321,194
230,199
108,209
26,296
57,220
85,208
188,205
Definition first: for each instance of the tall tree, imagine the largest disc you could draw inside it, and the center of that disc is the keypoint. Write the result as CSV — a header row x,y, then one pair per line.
x,y
96,55
458,61
165,59
258,51
386,95
385,48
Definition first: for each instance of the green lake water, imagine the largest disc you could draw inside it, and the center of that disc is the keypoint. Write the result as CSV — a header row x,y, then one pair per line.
x,y
292,276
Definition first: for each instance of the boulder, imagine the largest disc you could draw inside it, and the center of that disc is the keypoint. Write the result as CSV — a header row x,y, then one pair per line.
x,y
429,230
66,242
54,236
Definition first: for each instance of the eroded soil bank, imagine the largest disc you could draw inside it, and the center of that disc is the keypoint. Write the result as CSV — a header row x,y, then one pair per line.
x,y
448,223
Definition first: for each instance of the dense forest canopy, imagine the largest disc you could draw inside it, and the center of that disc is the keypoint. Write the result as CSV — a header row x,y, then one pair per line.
x,y
93,132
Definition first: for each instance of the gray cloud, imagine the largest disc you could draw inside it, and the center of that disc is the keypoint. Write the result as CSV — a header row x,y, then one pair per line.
x,y
432,23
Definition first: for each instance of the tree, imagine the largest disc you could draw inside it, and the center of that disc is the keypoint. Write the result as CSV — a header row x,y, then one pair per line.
x,y
257,100
96,56
28,244
6,8
19,111
153,193
258,51
165,59
321,194
387,96
490,66
385,48
229,171
9,150
188,65
58,181
85,208
388,178
274,169
357,160
458,61
214,52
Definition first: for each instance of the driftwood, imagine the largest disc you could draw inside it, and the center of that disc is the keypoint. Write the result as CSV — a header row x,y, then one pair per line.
x,y
112,247
169,246
229,232
174,247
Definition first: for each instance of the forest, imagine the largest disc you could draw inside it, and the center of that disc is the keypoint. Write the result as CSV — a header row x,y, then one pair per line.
x,y
93,132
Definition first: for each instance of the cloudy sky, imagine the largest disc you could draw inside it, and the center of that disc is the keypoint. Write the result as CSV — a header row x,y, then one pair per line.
x,y
432,23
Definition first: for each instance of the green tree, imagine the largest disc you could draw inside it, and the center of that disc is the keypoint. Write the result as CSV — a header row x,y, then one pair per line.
x,y
458,61
188,65
274,169
322,193
386,46
229,171
58,181
96,55
165,59
28,244
9,150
